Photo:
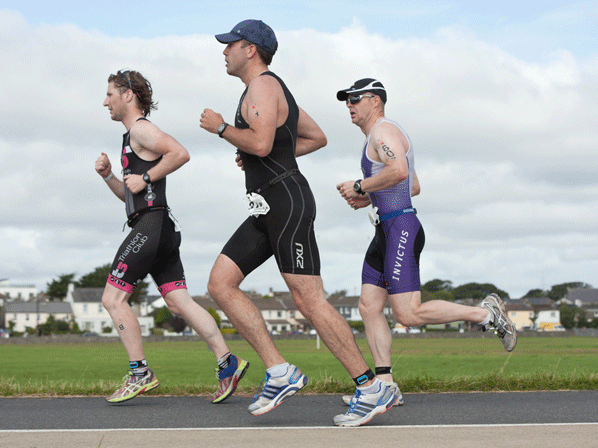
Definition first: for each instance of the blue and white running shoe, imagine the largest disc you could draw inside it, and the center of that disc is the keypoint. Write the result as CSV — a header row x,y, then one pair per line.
x,y
348,399
276,389
364,406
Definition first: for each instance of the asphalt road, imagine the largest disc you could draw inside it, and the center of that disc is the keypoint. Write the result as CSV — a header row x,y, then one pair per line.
x,y
530,419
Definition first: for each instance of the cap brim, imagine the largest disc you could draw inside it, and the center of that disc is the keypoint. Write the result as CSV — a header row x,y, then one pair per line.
x,y
342,95
227,38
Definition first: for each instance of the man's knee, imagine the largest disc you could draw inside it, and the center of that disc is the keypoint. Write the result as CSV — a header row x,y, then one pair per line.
x,y
369,308
171,303
309,299
225,276
112,299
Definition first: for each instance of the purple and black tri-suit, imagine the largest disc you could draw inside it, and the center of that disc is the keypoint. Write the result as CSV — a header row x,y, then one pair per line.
x,y
152,246
392,259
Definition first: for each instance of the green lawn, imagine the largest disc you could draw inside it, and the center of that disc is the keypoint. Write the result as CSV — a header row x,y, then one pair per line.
x,y
421,365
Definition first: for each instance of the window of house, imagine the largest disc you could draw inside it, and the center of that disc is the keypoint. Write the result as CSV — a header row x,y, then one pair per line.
x,y
99,308
279,314
514,313
85,307
26,316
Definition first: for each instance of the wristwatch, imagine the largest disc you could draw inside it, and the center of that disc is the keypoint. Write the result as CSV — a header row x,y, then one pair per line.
x,y
357,187
147,179
221,129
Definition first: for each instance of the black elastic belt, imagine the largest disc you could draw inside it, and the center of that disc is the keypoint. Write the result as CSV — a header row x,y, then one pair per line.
x,y
274,180
131,219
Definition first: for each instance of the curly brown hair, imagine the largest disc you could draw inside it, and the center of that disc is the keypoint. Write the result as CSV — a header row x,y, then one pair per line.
x,y
141,87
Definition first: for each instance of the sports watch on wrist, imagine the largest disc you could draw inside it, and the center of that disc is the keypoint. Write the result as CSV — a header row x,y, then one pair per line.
x,y
357,187
146,178
221,129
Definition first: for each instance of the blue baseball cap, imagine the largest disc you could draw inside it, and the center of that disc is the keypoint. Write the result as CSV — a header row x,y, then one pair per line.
x,y
254,31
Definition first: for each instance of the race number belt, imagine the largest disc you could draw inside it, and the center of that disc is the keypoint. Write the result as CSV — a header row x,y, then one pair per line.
x,y
397,213
132,220
376,219
274,180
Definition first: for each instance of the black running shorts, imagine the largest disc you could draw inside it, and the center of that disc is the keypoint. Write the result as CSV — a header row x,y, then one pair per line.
x,y
152,247
286,231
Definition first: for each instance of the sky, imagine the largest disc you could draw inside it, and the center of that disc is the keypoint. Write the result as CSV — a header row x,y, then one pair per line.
x,y
499,99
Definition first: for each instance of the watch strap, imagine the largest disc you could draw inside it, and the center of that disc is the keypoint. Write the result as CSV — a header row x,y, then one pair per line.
x,y
221,129
357,187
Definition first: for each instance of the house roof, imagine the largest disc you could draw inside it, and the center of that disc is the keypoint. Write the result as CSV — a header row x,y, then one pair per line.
x,y
342,300
585,295
88,295
518,305
206,302
38,307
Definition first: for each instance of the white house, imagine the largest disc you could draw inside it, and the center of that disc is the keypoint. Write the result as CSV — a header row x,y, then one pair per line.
x,y
31,314
23,292
91,316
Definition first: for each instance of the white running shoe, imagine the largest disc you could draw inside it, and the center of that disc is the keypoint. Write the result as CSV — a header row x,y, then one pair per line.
x,y
276,389
347,399
364,407
499,321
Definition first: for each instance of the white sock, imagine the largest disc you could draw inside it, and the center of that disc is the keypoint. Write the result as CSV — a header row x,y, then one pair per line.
x,y
371,389
487,320
279,370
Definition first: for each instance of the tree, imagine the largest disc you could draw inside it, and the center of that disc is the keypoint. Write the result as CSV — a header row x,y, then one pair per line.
x,y
52,325
97,279
163,317
215,315
57,289
557,292
178,324
477,291
426,296
572,316
535,293
437,285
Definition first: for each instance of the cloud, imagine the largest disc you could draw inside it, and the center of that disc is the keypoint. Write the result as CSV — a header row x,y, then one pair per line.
x,y
505,151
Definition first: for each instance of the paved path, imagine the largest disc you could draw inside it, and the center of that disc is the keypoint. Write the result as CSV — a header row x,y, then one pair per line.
x,y
529,419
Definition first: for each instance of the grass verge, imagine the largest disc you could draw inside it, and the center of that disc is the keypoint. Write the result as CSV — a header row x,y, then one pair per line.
x,y
420,365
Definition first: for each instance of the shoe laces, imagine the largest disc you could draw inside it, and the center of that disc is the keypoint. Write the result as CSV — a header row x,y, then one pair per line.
x,y
354,401
261,387
497,324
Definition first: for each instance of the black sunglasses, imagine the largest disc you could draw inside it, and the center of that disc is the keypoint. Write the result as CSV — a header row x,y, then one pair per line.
x,y
127,75
354,99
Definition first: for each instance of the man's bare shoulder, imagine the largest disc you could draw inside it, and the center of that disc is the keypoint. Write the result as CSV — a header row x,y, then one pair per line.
x,y
264,85
144,137
386,128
